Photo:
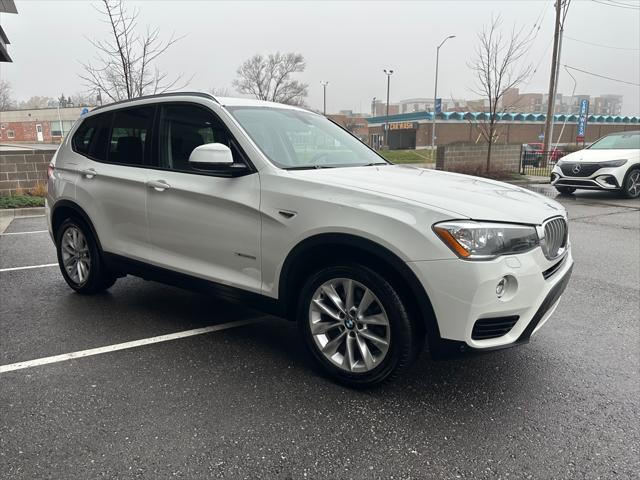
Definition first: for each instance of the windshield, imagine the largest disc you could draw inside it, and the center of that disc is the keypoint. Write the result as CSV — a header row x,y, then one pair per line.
x,y
292,139
618,141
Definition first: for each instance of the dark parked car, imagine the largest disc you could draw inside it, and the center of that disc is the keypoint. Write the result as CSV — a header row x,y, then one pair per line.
x,y
533,154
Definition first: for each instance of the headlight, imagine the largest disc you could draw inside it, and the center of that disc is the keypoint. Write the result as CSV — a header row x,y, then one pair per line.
x,y
612,163
559,163
484,241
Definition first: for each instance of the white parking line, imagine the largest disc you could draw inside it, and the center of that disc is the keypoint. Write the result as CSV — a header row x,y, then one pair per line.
x,y
29,216
122,346
28,267
24,233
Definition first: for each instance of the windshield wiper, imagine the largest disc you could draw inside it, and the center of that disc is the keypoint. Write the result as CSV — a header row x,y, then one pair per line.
x,y
318,167
309,167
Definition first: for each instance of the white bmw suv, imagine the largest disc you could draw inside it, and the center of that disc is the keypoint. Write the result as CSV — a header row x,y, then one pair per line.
x,y
279,206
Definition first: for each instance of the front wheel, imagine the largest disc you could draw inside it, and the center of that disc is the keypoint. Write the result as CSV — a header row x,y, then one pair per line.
x,y
565,190
631,185
356,326
79,258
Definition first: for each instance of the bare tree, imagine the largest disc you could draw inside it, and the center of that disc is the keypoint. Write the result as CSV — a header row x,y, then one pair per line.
x,y
269,78
124,65
219,92
82,99
37,102
350,125
6,100
498,67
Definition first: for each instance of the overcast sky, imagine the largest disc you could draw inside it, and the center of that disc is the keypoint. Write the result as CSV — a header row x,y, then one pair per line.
x,y
345,43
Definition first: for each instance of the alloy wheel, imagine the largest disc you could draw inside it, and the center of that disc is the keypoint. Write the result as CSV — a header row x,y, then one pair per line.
x,y
75,255
633,184
349,325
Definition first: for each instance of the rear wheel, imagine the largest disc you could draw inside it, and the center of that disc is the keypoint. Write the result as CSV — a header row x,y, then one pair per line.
x,y
631,185
79,258
356,326
565,190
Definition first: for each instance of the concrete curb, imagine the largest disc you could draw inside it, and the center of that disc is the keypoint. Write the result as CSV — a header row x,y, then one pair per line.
x,y
8,214
527,182
529,179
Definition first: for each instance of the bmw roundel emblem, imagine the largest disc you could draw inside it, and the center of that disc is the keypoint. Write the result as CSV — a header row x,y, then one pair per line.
x,y
576,168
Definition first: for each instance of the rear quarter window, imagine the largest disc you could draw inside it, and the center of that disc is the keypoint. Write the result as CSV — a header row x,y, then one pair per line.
x,y
92,136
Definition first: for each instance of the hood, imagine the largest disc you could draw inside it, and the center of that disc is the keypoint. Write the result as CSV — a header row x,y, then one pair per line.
x,y
462,195
593,156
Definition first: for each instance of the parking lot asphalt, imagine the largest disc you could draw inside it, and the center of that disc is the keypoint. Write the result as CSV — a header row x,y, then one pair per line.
x,y
246,402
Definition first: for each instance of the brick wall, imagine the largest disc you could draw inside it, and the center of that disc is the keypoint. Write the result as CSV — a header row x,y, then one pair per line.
x,y
471,158
26,132
23,169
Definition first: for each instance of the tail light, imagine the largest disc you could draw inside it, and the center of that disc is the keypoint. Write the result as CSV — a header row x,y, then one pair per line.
x,y
50,170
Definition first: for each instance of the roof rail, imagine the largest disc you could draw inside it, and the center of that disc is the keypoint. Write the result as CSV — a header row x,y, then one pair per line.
x,y
159,95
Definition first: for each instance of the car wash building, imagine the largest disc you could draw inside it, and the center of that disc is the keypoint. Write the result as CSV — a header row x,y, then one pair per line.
x,y
413,130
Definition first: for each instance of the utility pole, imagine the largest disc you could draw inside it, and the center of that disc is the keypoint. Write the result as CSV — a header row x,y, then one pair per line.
x,y
324,97
388,73
555,71
555,93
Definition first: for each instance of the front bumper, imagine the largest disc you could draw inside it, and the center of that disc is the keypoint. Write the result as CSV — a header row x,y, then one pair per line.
x,y
463,292
602,179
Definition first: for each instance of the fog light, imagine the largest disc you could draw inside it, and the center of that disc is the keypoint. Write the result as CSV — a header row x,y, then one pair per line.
x,y
501,287
607,181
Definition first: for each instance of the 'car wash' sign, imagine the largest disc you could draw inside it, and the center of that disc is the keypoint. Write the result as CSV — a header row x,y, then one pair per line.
x,y
582,119
403,126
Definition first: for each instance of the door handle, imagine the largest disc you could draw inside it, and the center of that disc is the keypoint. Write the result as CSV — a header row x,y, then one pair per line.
x,y
89,173
158,185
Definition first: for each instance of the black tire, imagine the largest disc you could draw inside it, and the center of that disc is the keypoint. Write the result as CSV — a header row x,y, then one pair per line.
x,y
565,190
627,185
98,277
403,344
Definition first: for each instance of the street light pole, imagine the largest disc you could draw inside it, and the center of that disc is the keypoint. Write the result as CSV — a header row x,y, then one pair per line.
x,y
388,73
435,94
324,97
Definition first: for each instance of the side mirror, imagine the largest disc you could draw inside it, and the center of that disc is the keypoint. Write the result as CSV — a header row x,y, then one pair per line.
x,y
211,155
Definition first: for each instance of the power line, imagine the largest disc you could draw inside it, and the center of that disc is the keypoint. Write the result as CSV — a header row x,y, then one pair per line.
x,y
626,6
535,29
603,76
600,45
544,54
540,19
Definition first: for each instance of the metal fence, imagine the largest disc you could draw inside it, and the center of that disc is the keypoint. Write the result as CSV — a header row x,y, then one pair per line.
x,y
539,163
